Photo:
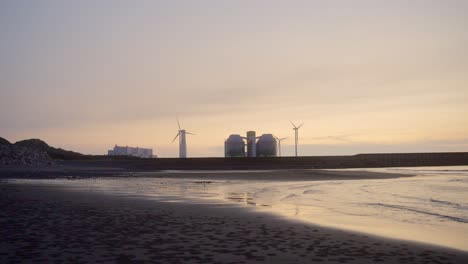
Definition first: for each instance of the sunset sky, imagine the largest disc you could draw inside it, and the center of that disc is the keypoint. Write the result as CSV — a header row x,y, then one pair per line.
x,y
363,76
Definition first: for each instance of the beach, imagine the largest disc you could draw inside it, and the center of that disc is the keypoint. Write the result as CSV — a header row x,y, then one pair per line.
x,y
84,169
50,223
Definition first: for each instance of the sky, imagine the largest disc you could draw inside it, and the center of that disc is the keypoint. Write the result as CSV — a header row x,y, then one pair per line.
x,y
363,76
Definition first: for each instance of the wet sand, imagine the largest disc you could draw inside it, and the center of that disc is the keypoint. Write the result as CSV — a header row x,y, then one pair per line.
x,y
48,224
279,175
85,171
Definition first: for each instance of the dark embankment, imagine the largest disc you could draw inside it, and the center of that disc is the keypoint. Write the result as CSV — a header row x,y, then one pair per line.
x,y
312,162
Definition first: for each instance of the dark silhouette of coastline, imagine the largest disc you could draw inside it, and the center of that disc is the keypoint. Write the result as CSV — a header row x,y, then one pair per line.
x,y
70,159
262,163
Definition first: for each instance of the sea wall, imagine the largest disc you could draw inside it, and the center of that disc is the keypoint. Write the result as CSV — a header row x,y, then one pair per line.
x,y
310,162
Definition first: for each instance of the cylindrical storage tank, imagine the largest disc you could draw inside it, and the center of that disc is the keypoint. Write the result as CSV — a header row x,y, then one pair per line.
x,y
266,146
234,146
251,147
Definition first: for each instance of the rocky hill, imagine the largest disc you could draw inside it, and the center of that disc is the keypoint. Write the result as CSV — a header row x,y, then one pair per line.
x,y
33,152
54,153
4,142
16,155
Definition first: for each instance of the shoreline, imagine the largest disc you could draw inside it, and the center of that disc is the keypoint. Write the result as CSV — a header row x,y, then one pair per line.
x,y
68,171
45,222
284,175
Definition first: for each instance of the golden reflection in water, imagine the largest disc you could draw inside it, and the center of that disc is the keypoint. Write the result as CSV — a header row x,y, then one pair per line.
x,y
352,205
244,197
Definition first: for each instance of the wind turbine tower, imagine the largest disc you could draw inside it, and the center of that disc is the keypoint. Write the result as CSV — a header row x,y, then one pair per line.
x,y
296,133
279,145
182,142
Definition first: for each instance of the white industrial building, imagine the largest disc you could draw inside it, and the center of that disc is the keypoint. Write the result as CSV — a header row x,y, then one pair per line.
x,y
131,151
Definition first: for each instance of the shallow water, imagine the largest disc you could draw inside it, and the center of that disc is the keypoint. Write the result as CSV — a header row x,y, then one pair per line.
x,y
431,207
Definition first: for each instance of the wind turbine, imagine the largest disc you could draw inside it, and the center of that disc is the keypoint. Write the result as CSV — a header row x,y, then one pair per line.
x,y
182,141
279,144
296,134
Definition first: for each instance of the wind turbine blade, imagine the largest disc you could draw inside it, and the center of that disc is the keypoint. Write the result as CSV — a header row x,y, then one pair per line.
x,y
292,124
189,133
300,126
178,123
175,137
282,138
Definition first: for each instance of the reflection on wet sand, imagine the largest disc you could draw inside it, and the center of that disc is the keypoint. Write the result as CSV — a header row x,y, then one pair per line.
x,y
51,224
244,198
430,208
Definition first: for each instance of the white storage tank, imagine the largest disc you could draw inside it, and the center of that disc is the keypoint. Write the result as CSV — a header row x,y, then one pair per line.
x,y
266,146
234,146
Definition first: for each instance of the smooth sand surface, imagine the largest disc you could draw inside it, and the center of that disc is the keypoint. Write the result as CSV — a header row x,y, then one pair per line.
x,y
46,224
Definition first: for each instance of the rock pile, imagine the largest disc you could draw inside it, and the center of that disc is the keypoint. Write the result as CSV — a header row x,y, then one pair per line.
x,y
14,155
